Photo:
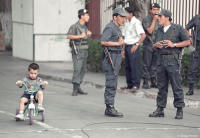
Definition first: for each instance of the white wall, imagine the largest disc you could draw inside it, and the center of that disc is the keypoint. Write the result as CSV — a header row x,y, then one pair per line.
x,y
22,18
54,17
22,11
52,48
23,41
47,20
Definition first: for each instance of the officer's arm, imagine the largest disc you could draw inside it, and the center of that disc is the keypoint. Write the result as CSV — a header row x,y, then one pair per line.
x,y
109,43
152,27
187,31
76,36
106,38
72,34
140,31
191,23
180,44
183,43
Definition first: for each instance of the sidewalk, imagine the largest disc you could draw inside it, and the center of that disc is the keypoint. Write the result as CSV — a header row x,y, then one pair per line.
x,y
62,71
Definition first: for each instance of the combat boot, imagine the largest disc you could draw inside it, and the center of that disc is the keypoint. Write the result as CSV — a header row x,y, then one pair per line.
x,y
112,112
191,90
158,113
179,113
80,91
145,84
75,89
153,83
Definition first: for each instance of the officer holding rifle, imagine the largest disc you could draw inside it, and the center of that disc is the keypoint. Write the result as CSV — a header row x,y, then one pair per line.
x,y
112,42
78,34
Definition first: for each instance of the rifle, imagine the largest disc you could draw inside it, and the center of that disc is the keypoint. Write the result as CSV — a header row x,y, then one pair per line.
x,y
73,44
108,56
74,47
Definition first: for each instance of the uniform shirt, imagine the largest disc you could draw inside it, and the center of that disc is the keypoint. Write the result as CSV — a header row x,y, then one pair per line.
x,y
175,33
77,29
33,85
112,33
132,31
146,23
195,22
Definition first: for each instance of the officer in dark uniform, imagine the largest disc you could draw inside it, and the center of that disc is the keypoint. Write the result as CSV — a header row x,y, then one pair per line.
x,y
195,56
150,25
169,41
78,34
112,40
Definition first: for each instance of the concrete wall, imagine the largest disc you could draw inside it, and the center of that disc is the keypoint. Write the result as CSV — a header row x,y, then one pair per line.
x,y
50,25
49,21
22,19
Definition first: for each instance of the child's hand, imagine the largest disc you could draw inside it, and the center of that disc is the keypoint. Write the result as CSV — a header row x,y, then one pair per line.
x,y
19,83
45,84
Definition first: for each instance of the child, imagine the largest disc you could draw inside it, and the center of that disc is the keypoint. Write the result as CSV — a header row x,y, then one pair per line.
x,y
32,81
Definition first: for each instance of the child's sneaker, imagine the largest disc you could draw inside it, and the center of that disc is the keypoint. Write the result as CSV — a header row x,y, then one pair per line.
x,y
19,116
40,108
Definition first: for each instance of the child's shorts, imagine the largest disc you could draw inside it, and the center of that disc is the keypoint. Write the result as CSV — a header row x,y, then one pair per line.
x,y
26,95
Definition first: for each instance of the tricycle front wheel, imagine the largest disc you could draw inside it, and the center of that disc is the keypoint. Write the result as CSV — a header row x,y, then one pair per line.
x,y
31,116
43,116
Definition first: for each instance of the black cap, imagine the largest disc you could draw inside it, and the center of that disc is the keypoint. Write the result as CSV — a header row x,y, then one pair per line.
x,y
166,13
82,12
154,5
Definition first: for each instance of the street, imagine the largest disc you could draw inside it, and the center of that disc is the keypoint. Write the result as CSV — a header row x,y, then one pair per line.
x,y
83,116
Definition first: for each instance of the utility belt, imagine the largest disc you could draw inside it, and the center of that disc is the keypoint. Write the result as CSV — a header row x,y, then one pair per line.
x,y
175,56
82,47
78,44
115,51
130,45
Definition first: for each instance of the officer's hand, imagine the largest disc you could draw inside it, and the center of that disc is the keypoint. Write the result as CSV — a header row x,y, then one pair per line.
x,y
169,44
134,48
123,53
155,17
83,35
19,83
45,84
158,45
89,33
121,41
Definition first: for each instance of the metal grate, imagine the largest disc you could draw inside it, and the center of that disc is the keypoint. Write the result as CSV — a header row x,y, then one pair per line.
x,y
182,10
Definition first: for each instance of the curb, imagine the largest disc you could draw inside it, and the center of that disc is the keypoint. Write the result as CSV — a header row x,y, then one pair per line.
x,y
56,78
144,94
188,102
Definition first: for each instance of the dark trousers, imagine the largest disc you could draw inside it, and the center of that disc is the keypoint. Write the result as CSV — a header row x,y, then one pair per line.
x,y
194,65
111,77
132,61
149,62
169,71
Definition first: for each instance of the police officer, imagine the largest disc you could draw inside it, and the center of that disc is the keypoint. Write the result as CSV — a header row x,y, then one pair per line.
x,y
195,56
113,41
150,25
78,34
169,41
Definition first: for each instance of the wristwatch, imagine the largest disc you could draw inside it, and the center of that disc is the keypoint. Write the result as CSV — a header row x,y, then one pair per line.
x,y
174,44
